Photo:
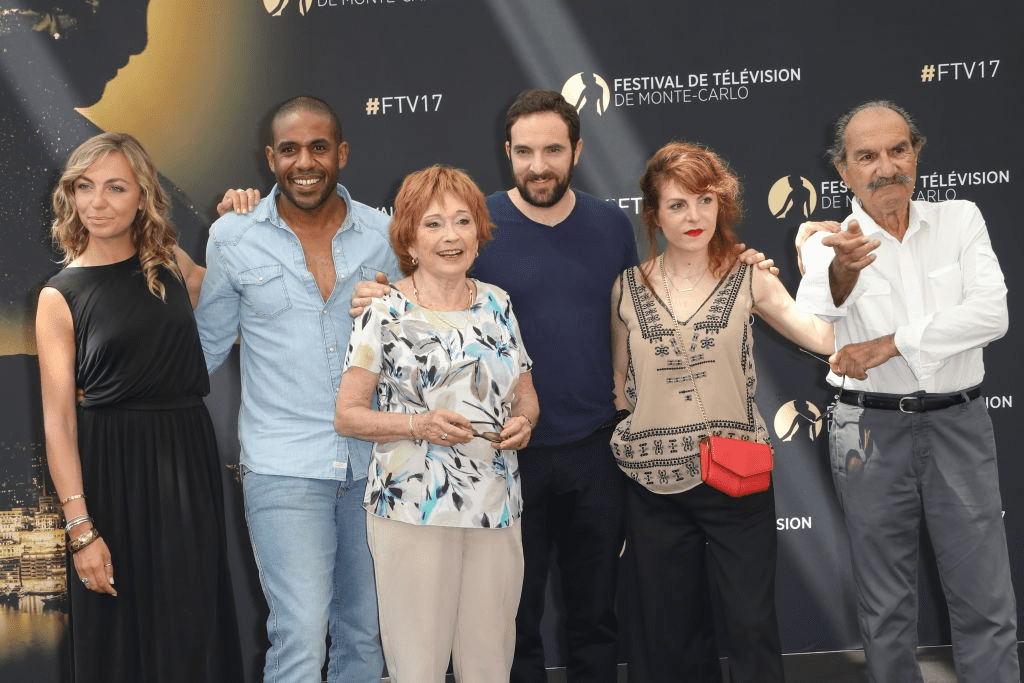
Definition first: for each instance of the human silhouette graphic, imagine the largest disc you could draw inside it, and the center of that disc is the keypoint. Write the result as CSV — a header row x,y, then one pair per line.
x,y
57,55
799,199
590,91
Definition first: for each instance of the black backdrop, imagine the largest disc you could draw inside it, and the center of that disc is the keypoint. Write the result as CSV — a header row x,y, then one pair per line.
x,y
422,81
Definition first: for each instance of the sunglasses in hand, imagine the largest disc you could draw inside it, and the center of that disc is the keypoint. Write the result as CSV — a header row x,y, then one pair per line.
x,y
487,434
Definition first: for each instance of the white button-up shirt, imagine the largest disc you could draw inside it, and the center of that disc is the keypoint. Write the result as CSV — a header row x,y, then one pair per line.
x,y
940,291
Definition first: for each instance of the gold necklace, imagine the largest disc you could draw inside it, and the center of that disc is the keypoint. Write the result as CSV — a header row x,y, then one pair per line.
x,y
691,284
668,292
426,305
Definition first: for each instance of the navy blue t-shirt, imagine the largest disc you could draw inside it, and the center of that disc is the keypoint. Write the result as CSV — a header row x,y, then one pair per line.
x,y
560,281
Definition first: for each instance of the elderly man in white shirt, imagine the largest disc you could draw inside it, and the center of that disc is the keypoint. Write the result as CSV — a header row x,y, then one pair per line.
x,y
915,292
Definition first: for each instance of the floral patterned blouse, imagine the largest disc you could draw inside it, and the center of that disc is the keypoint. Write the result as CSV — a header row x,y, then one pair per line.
x,y
468,362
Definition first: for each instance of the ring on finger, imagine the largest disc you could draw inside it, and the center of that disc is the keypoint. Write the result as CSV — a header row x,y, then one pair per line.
x,y
444,436
85,582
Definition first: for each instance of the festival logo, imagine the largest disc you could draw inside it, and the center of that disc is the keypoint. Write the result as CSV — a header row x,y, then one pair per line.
x,y
580,91
792,197
275,8
682,88
793,417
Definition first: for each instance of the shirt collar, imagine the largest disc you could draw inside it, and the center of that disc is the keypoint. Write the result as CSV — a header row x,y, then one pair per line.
x,y
916,220
266,210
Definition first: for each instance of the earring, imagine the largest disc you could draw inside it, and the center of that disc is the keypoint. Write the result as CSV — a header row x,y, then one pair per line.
x,y
415,261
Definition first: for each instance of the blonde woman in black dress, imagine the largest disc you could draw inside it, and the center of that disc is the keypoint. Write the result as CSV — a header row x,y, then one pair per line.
x,y
135,464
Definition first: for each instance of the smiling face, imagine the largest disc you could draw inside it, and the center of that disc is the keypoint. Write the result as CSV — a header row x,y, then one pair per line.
x,y
542,157
881,162
688,220
446,239
305,158
107,198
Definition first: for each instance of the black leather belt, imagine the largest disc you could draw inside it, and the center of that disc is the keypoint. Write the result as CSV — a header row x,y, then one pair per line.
x,y
911,403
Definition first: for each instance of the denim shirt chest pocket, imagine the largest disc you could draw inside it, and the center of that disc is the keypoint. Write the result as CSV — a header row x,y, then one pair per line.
x,y
370,272
264,289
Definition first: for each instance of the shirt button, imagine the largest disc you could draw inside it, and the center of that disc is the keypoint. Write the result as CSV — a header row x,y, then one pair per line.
x,y
325,311
337,251
331,349
342,276
260,280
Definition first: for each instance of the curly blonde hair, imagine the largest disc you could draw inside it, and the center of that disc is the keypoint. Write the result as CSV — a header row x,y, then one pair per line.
x,y
152,234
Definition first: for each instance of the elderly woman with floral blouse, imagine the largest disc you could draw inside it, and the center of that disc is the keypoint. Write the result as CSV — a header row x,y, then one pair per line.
x,y
443,354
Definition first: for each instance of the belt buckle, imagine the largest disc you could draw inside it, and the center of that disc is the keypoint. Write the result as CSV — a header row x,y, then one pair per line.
x,y
908,398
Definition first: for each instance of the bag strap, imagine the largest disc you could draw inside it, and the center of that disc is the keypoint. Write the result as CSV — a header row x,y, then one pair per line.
x,y
682,347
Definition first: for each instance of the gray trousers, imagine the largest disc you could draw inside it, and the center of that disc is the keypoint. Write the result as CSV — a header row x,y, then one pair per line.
x,y
889,469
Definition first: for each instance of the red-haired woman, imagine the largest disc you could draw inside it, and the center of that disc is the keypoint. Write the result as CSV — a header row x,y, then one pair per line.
x,y
443,354
683,363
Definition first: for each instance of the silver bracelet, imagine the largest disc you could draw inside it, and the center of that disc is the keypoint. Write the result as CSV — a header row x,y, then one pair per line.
x,y
80,519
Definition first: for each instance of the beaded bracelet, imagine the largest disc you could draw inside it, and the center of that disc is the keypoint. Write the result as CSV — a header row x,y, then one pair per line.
x,y
76,544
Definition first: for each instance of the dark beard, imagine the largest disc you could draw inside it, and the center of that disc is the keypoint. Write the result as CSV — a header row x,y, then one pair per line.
x,y
557,192
316,202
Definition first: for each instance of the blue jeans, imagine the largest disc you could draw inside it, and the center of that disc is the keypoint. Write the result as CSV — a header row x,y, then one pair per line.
x,y
309,540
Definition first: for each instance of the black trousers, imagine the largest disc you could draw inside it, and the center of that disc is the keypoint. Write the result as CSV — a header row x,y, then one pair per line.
x,y
686,547
572,502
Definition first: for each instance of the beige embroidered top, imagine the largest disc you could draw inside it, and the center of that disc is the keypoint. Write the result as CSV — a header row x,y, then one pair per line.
x,y
658,444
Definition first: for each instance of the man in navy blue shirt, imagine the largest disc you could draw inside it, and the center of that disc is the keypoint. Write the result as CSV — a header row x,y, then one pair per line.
x,y
557,251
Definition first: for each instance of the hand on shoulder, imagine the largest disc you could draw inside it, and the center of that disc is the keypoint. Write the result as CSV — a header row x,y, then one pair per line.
x,y
753,257
240,201
366,291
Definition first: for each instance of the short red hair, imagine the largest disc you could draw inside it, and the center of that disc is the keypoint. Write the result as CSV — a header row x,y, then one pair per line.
x,y
418,191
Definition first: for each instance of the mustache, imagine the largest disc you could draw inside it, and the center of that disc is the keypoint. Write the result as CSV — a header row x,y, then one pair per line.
x,y
896,179
531,177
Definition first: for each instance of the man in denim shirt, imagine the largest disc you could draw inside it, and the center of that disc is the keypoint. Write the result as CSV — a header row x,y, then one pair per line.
x,y
281,276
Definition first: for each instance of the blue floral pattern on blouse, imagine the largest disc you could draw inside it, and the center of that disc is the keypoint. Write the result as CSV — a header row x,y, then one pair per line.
x,y
468,362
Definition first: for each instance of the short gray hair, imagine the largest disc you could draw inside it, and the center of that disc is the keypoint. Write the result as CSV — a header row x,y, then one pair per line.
x,y
837,152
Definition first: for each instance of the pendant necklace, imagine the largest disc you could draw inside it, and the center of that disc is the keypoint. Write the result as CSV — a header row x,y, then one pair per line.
x,y
425,304
690,285
668,291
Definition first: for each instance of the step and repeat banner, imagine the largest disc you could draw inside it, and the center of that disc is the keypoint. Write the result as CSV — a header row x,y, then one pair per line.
x,y
417,82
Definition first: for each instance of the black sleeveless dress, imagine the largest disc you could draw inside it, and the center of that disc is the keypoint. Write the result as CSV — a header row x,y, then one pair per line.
x,y
151,477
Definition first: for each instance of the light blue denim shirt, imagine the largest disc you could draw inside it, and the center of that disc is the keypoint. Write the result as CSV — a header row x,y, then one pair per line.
x,y
292,343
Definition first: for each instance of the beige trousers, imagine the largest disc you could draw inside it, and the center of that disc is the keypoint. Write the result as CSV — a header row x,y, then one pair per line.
x,y
446,591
